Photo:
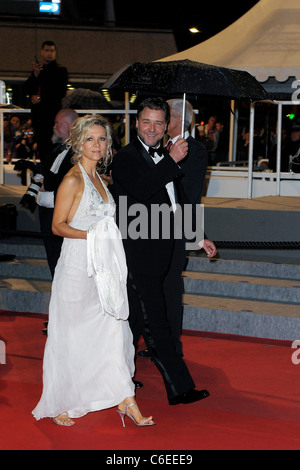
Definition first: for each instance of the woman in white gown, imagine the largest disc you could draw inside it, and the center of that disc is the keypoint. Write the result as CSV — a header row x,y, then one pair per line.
x,y
89,353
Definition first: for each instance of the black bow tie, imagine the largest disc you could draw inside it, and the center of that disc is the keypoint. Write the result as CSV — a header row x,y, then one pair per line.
x,y
153,151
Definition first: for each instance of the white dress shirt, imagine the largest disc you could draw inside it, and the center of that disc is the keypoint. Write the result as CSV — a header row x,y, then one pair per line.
x,y
169,186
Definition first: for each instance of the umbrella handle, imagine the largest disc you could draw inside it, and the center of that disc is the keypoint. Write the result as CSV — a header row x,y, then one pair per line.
x,y
183,115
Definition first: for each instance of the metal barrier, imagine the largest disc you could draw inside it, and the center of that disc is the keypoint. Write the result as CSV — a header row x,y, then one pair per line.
x,y
127,112
219,244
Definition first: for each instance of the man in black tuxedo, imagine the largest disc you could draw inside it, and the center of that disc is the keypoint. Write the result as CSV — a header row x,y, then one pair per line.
x,y
143,183
192,177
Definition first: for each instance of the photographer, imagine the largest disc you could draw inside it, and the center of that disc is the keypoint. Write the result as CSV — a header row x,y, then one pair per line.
x,y
26,148
25,143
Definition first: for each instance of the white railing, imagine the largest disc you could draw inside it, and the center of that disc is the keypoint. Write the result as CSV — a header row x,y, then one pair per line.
x,y
277,178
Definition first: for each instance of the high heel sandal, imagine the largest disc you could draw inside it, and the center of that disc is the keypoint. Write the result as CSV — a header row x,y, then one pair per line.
x,y
122,415
63,420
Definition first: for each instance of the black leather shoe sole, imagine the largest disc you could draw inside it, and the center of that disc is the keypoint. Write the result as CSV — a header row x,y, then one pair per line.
x,y
144,353
189,397
138,384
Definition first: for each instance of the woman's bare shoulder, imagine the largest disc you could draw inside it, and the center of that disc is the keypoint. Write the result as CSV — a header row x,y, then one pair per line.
x,y
73,177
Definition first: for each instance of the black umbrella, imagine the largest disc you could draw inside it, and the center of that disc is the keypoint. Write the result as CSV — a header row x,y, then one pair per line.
x,y
186,76
82,98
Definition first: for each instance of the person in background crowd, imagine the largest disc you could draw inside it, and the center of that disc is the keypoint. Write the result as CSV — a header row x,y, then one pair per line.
x,y
243,145
223,142
7,138
15,133
209,136
46,87
290,147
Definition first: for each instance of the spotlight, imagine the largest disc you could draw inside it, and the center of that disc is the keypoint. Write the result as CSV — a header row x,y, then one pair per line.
x,y
106,94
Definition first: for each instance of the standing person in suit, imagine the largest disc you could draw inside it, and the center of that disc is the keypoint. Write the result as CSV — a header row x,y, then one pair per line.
x,y
194,165
192,177
144,183
46,86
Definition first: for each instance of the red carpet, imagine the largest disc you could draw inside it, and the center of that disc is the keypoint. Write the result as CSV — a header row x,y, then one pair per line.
x,y
254,402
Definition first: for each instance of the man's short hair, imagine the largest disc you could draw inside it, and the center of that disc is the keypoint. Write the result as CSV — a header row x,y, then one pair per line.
x,y
156,104
48,43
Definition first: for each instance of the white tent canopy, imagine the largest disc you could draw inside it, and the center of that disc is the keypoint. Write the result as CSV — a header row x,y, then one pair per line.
x,y
265,42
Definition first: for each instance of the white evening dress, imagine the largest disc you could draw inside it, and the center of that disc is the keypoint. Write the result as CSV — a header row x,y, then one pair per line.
x,y
89,354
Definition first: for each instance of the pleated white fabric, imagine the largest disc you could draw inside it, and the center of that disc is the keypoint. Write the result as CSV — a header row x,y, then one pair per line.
x,y
89,354
106,262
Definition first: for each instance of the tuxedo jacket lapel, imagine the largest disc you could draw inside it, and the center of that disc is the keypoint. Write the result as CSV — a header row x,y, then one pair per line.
x,y
141,149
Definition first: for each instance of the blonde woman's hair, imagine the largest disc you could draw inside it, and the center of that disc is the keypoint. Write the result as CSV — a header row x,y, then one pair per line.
x,y
78,134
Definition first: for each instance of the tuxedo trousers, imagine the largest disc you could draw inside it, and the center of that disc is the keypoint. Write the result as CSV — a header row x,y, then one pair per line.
x,y
155,302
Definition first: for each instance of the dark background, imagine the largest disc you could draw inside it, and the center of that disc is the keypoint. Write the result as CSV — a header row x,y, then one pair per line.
x,y
207,16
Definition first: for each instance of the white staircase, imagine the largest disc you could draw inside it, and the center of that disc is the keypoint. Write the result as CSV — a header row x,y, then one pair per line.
x,y
250,298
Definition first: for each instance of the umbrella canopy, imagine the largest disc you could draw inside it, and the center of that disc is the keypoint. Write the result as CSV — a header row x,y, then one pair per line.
x,y
186,76
82,98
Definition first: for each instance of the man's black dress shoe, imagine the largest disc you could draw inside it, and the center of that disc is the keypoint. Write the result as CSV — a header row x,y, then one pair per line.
x,y
144,353
189,397
138,384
